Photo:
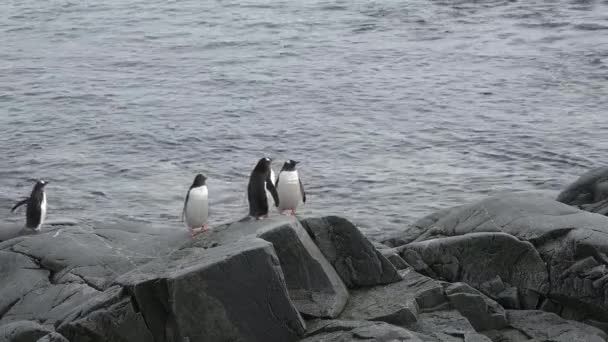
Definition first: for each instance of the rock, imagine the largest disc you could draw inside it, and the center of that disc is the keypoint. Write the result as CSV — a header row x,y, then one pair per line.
x,y
446,326
348,331
482,312
314,286
478,259
545,326
49,304
353,256
23,331
96,256
591,187
232,292
564,237
397,303
53,337
392,255
108,316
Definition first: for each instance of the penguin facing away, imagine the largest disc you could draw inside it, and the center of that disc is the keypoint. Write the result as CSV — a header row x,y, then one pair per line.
x,y
196,206
259,182
35,212
290,189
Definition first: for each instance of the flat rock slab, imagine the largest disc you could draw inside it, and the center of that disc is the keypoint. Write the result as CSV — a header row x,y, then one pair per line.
x,y
482,312
545,326
23,331
492,262
353,256
397,303
233,292
446,326
108,316
348,331
313,284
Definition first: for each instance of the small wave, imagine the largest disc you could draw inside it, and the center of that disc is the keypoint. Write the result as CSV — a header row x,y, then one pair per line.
x,y
590,27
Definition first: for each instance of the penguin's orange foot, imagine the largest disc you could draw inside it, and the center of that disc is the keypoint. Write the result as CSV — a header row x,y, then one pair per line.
x,y
192,233
204,228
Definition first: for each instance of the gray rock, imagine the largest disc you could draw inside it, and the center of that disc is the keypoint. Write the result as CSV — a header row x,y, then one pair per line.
x,y
23,331
109,316
545,326
313,284
398,303
234,292
572,243
591,187
392,254
482,312
479,259
353,256
96,256
53,337
348,331
446,326
49,304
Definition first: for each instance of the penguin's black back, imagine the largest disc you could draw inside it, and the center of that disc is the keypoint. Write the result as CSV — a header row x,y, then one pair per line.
x,y
256,193
33,213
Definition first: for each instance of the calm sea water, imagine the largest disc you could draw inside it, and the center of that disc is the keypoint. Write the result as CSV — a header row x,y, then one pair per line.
x,y
394,108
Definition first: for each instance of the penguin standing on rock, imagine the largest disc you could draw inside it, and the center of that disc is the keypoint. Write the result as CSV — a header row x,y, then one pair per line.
x,y
290,189
35,213
260,181
196,206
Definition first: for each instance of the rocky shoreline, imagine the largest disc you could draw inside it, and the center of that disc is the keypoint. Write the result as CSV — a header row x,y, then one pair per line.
x,y
513,267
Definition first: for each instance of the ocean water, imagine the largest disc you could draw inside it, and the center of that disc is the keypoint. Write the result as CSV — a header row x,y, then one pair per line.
x,y
394,108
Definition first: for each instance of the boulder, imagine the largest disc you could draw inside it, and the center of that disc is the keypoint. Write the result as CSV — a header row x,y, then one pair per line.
x,y
591,187
482,312
53,337
546,326
397,303
491,262
446,326
108,316
392,255
231,292
23,331
348,331
314,286
353,256
573,245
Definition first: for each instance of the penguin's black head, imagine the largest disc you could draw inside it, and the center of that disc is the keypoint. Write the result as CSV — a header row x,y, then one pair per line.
x,y
290,165
199,180
263,164
39,186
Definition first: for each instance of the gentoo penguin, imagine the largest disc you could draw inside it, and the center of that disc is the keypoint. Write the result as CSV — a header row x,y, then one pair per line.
x,y
259,182
36,206
196,206
290,189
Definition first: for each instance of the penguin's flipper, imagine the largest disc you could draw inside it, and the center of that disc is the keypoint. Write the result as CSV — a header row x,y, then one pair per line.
x,y
20,203
302,191
276,184
185,204
273,191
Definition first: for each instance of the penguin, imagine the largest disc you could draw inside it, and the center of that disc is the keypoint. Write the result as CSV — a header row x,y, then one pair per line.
x,y
196,206
259,182
35,213
290,189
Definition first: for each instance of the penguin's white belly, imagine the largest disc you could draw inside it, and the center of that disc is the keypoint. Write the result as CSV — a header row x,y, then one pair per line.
x,y
42,211
197,208
289,191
